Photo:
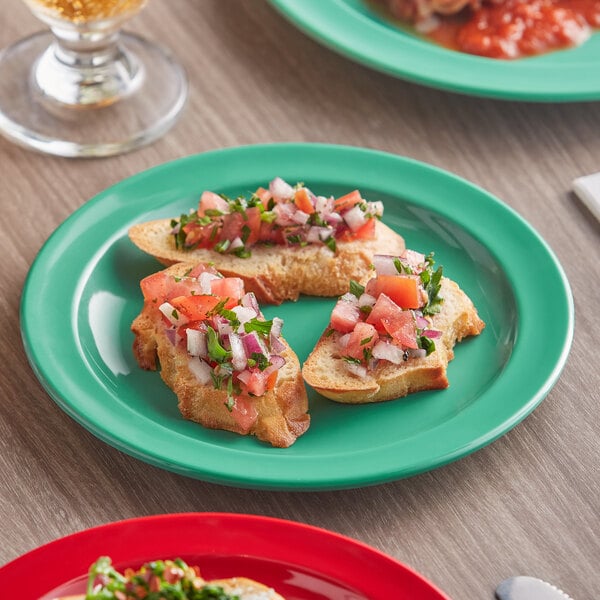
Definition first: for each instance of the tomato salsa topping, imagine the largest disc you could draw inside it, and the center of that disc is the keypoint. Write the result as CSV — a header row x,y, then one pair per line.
x,y
160,579
279,215
229,343
389,318
506,29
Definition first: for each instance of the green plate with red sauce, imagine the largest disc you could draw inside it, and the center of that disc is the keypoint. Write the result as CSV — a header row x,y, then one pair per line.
x,y
82,293
357,30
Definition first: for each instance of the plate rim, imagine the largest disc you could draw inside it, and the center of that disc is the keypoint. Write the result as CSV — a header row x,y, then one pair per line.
x,y
322,21
244,525
293,483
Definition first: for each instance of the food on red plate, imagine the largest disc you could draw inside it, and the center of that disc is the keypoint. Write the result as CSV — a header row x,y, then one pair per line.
x,y
504,29
280,240
229,367
392,335
167,580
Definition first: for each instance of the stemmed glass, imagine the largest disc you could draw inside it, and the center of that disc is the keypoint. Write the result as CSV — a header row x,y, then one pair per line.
x,y
85,88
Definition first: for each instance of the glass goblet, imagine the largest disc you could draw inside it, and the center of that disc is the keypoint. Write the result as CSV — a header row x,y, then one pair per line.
x,y
84,88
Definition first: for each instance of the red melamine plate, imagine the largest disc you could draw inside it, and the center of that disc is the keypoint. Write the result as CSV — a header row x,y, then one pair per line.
x,y
300,561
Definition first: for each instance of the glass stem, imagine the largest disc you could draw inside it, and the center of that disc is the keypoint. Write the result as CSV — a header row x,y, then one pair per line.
x,y
85,68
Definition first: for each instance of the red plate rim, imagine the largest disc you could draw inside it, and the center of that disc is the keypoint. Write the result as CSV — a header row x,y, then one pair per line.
x,y
136,540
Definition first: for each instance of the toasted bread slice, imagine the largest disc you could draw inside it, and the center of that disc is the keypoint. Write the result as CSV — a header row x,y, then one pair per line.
x,y
246,589
278,273
326,371
281,412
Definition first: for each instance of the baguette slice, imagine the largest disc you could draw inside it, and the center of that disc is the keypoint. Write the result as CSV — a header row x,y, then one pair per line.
x,y
326,372
282,412
246,589
278,273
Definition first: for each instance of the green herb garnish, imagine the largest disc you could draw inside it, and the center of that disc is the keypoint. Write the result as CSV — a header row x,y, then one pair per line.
x,y
263,327
356,288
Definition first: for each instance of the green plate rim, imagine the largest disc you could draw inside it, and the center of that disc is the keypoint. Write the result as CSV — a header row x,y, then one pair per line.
x,y
352,29
287,469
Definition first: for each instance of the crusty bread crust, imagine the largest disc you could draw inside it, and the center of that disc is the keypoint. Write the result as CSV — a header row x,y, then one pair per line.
x,y
282,411
276,273
328,375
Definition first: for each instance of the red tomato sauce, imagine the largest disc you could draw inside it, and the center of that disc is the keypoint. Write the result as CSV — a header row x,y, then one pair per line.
x,y
517,28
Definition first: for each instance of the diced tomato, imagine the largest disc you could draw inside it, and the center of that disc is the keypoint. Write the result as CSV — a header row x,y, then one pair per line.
x,y
244,412
197,307
402,289
401,326
272,380
201,268
228,287
383,307
362,339
367,231
212,201
269,233
160,287
253,223
344,316
303,202
257,383
155,287
232,227
200,236
347,201
264,195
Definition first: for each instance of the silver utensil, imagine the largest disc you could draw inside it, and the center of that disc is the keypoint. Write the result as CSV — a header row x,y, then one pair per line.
x,y
529,588
588,191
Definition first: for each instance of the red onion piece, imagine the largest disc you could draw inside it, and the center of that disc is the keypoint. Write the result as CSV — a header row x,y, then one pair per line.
x,y
432,333
300,217
355,218
174,316
244,314
196,343
171,335
343,340
236,243
201,370
280,189
356,369
277,345
383,350
204,281
253,344
384,264
244,376
249,300
366,300
238,353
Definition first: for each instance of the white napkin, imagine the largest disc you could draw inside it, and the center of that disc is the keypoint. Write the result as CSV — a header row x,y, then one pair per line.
x,y
588,190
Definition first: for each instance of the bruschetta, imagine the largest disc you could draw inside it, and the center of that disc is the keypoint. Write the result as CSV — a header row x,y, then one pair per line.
x,y
168,580
282,241
393,334
229,367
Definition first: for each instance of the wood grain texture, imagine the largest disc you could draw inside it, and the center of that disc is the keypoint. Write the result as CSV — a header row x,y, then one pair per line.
x,y
527,504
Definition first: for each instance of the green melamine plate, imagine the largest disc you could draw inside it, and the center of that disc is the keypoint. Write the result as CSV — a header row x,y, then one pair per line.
x,y
355,29
82,293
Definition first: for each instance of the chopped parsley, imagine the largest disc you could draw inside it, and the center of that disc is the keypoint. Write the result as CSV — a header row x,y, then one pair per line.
x,y
356,288
432,282
262,327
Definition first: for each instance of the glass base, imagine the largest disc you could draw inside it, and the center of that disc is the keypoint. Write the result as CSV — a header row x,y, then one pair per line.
x,y
134,120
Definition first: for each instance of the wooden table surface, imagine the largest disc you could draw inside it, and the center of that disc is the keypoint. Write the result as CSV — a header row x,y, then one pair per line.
x,y
527,504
